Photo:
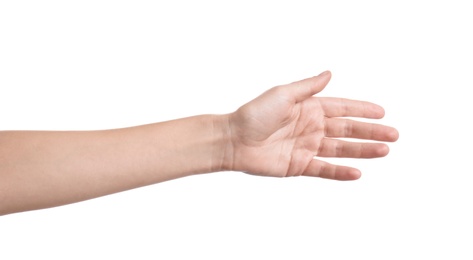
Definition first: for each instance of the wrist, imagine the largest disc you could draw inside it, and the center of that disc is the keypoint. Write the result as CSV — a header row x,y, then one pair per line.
x,y
222,154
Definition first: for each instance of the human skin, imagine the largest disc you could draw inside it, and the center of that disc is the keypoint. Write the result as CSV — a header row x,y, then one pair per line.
x,y
283,132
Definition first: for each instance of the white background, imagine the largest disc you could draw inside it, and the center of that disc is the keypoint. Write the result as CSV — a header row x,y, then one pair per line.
x,y
84,65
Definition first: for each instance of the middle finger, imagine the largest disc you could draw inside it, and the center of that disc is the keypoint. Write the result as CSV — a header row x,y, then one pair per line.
x,y
346,128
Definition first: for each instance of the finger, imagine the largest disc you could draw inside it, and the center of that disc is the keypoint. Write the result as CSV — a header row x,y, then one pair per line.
x,y
317,168
339,148
344,128
303,89
339,107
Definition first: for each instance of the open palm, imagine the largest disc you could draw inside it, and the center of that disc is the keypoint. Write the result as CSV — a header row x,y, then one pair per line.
x,y
280,132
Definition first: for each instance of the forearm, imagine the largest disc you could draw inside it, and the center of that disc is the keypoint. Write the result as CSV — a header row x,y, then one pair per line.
x,y
40,169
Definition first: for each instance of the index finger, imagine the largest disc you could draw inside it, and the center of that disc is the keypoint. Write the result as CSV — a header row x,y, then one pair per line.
x,y
341,107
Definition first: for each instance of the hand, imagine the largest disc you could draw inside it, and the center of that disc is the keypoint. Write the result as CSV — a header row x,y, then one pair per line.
x,y
280,132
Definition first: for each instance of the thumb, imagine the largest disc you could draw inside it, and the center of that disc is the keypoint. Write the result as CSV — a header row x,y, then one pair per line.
x,y
306,88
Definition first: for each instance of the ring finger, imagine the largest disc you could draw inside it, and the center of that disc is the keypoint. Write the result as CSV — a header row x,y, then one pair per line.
x,y
339,148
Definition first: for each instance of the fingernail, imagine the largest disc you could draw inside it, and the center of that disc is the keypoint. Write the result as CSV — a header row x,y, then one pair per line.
x,y
324,73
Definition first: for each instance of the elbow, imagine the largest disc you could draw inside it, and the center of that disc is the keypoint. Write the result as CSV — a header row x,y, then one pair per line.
x,y
3,208
6,206
3,205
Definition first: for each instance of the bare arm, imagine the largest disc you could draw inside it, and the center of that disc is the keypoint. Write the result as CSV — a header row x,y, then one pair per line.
x,y
40,169
277,134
